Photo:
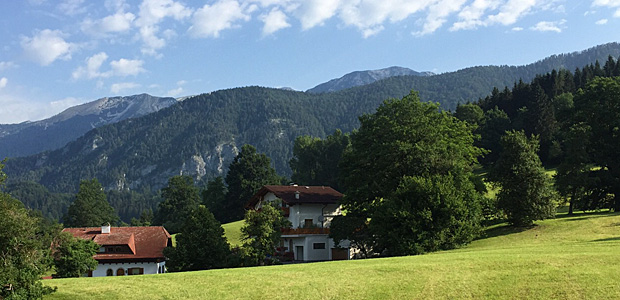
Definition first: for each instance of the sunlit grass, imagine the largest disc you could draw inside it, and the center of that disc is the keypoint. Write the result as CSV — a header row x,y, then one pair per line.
x,y
573,257
232,231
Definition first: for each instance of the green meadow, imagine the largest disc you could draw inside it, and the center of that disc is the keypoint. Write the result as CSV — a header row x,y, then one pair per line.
x,y
575,257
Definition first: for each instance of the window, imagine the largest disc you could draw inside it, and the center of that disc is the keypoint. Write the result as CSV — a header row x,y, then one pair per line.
x,y
109,272
308,223
318,246
135,271
110,249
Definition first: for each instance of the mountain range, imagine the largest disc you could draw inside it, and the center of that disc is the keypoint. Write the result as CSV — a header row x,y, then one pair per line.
x,y
33,137
200,135
359,78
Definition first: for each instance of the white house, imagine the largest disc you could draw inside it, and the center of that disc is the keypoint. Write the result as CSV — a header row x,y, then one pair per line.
x,y
310,210
126,250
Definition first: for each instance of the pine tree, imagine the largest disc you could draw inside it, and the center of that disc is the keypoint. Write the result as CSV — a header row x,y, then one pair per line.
x,y
248,172
90,207
526,191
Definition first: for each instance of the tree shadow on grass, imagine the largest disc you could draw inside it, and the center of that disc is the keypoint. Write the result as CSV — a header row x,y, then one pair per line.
x,y
607,239
586,215
504,230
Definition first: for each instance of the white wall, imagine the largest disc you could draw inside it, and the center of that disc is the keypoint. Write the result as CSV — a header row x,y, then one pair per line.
x,y
307,242
149,268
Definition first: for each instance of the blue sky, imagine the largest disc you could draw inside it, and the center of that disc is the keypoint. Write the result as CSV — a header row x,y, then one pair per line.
x,y
57,54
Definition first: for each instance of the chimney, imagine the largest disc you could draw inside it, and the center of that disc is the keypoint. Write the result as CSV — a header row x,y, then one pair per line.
x,y
105,229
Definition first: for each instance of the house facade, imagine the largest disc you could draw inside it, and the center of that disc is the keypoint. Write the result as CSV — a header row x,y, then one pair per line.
x,y
310,209
126,250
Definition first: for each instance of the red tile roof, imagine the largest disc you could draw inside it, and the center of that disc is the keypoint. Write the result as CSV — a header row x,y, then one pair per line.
x,y
146,243
307,194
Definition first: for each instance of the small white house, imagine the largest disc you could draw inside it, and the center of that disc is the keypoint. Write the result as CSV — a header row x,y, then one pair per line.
x,y
126,250
310,209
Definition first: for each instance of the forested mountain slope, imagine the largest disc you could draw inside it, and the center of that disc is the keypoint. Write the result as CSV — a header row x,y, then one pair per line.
x,y
201,135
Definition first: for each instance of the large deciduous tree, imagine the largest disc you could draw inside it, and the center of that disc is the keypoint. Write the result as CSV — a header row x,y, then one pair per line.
x,y
23,258
407,176
261,231
90,208
526,191
74,256
247,173
180,196
201,244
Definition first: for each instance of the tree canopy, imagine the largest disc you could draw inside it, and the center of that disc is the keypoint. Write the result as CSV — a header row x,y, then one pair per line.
x,y
90,208
181,197
201,244
23,257
73,257
526,192
248,172
403,164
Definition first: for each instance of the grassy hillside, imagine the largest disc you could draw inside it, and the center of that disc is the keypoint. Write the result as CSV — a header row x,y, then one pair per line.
x,y
566,258
232,231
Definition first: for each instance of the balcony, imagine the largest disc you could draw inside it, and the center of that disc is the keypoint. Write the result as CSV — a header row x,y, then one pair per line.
x,y
298,231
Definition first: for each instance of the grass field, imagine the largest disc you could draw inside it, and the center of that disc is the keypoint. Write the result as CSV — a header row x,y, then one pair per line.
x,y
232,231
566,258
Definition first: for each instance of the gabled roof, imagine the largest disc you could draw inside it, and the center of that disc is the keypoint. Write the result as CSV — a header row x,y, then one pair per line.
x,y
307,194
146,243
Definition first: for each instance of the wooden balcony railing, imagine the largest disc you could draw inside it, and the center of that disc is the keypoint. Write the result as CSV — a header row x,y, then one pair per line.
x,y
291,231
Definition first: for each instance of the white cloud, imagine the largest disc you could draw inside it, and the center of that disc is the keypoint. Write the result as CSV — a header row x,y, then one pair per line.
x,y
601,22
471,16
91,70
116,5
151,13
209,20
16,109
548,26
511,11
46,46
154,11
313,13
126,67
62,104
3,82
5,65
275,20
438,13
72,7
175,92
614,4
118,22
122,86
517,29
122,67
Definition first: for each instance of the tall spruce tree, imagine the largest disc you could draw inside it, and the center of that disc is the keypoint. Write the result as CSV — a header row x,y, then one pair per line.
x,y
90,208
248,172
201,243
598,108
181,197
526,191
